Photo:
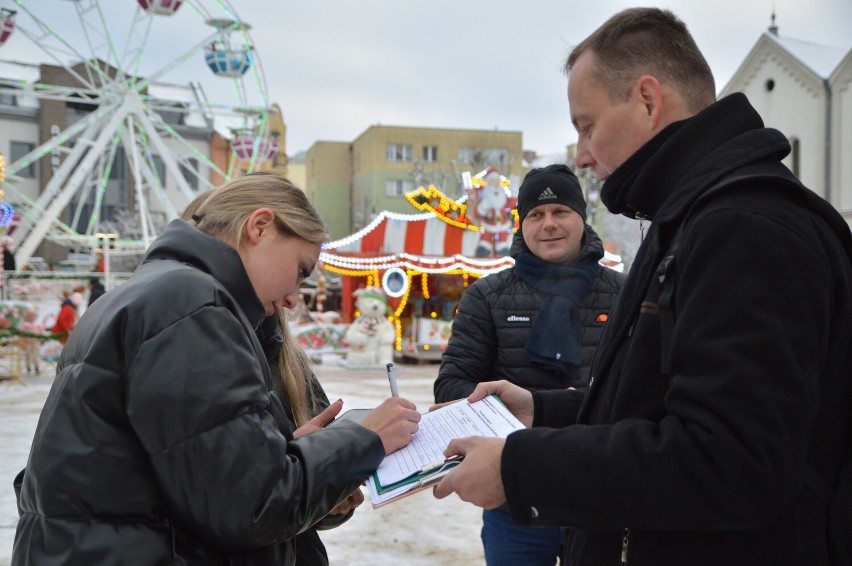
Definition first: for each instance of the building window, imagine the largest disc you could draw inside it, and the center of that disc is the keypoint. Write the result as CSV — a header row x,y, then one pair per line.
x,y
430,153
398,187
8,99
484,157
119,165
795,156
496,157
399,152
190,172
18,150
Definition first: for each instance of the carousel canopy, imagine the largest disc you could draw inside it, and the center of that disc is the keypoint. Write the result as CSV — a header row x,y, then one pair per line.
x,y
417,241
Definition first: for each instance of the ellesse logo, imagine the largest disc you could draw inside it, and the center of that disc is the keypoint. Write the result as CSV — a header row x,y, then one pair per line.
x,y
546,194
514,318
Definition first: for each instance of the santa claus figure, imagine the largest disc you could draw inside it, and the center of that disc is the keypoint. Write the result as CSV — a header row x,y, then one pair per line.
x,y
489,206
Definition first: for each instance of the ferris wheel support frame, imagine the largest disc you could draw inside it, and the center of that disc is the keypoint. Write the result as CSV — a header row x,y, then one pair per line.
x,y
82,155
58,204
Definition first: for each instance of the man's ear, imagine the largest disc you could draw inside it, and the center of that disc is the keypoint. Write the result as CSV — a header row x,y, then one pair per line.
x,y
649,93
260,222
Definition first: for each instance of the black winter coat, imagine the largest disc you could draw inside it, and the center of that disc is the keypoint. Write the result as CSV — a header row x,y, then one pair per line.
x,y
160,442
494,320
309,548
704,466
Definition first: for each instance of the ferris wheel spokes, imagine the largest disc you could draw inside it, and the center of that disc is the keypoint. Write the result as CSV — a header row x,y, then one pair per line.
x,y
123,122
53,45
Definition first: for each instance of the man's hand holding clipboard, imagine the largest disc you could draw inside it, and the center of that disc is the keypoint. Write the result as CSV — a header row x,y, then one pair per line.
x,y
477,479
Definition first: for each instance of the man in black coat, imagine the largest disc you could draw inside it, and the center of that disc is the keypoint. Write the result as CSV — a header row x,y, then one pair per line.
x,y
96,289
692,442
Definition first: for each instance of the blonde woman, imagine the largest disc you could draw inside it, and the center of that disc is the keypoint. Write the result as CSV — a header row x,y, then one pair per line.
x,y
162,441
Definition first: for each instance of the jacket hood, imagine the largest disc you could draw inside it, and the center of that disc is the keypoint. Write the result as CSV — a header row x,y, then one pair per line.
x,y
592,247
187,244
721,138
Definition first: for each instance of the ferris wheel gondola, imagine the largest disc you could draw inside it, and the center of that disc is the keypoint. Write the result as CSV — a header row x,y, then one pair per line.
x,y
133,128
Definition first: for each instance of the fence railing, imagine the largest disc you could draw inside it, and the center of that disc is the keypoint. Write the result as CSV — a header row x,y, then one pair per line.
x,y
49,286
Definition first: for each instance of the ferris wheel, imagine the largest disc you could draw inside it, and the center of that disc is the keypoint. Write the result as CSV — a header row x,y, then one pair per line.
x,y
125,124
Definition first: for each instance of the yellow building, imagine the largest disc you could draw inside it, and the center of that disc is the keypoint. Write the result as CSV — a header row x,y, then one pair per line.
x,y
351,182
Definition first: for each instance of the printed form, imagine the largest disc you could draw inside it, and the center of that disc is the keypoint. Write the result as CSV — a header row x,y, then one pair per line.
x,y
486,417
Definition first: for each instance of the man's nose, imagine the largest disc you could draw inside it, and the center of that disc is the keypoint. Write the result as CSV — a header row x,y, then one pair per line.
x,y
583,159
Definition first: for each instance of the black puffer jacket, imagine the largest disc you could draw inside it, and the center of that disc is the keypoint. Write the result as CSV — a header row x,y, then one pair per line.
x,y
309,548
494,321
703,466
160,442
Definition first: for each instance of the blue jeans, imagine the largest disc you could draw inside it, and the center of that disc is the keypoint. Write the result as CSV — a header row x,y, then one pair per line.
x,y
506,544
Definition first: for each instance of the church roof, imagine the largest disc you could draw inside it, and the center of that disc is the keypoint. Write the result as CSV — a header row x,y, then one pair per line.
x,y
821,59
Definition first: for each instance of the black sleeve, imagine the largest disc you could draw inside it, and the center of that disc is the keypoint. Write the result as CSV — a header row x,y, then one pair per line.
x,y
469,356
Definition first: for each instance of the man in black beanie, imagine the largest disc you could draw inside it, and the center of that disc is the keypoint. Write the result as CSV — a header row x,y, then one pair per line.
x,y
535,325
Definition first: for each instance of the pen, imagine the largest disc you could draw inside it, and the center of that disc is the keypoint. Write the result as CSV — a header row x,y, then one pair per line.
x,y
392,379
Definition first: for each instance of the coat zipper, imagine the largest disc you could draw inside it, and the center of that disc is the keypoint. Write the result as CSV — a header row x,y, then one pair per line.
x,y
641,218
625,545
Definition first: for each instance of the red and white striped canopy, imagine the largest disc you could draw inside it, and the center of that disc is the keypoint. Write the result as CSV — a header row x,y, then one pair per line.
x,y
417,241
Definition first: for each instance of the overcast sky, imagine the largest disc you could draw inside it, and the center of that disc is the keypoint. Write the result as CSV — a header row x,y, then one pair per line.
x,y
337,67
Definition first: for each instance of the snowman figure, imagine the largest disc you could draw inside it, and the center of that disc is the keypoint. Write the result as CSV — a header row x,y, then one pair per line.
x,y
370,338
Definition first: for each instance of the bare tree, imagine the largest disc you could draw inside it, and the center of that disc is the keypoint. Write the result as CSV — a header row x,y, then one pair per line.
x,y
423,177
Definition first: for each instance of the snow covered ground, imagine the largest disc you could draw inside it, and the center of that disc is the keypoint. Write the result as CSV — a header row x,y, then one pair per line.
x,y
418,530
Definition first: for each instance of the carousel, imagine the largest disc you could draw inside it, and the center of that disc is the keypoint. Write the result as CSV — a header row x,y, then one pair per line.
x,y
424,261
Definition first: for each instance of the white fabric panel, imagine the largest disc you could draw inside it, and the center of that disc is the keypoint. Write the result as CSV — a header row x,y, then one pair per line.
x,y
470,241
395,236
433,237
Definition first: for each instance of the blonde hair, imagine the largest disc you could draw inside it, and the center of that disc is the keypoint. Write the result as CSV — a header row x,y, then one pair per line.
x,y
294,367
223,214
193,206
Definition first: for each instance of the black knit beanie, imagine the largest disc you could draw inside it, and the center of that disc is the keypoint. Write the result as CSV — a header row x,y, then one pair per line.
x,y
554,184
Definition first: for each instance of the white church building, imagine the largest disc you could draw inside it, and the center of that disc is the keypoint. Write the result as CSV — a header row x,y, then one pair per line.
x,y
805,90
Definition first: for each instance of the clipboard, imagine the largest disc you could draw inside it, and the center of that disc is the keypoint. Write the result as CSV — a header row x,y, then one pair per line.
x,y
399,474
352,415
381,496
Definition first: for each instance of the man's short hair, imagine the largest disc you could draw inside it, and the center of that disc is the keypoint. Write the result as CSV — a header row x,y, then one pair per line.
x,y
648,41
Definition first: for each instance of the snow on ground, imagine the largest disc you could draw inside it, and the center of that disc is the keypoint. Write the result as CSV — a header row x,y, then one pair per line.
x,y
418,530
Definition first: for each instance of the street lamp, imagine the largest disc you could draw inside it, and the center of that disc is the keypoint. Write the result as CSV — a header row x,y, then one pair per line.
x,y
106,237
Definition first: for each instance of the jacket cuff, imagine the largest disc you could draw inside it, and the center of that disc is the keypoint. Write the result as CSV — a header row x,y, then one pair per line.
x,y
521,515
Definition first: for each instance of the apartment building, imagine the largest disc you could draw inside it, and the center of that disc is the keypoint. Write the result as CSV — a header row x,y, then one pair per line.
x,y
351,182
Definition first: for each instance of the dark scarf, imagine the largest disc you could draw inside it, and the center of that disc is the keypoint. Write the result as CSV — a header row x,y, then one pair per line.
x,y
556,339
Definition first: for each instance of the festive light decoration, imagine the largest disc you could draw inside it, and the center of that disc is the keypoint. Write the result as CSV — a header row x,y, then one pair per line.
x,y
7,211
452,212
391,282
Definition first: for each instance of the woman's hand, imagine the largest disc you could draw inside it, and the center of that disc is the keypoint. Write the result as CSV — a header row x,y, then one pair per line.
x,y
320,420
355,499
395,420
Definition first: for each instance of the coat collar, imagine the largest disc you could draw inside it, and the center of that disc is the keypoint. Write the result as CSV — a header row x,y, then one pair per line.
x,y
690,155
187,244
